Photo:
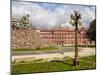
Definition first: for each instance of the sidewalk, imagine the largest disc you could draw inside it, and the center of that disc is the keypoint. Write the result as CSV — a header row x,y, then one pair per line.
x,y
82,53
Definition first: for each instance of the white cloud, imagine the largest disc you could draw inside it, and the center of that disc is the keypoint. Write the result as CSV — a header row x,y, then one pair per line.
x,y
46,18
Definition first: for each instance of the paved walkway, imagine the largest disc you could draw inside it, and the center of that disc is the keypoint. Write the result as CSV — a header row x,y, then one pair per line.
x,y
83,52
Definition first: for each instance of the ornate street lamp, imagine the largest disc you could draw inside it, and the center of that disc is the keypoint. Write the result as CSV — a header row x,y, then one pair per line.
x,y
75,21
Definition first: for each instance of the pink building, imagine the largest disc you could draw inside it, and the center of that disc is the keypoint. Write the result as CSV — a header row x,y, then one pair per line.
x,y
63,36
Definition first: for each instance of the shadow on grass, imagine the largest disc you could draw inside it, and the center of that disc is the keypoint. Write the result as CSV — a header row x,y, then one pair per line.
x,y
62,62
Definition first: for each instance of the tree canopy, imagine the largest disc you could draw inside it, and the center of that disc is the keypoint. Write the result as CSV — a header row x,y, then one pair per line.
x,y
23,22
91,32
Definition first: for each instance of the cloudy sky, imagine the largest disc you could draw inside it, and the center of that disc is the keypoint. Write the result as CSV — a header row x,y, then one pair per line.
x,y
46,15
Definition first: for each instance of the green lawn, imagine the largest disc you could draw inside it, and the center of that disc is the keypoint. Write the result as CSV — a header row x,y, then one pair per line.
x,y
54,66
38,49
48,48
87,46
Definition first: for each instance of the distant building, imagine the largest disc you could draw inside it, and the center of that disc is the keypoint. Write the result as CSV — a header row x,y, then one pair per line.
x,y
14,22
64,36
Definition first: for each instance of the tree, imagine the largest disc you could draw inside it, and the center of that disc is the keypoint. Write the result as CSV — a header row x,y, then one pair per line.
x,y
24,22
91,32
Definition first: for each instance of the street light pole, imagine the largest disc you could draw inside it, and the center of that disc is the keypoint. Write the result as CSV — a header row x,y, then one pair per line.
x,y
76,60
75,17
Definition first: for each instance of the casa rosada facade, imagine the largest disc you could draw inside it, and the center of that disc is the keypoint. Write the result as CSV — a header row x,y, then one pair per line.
x,y
64,36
